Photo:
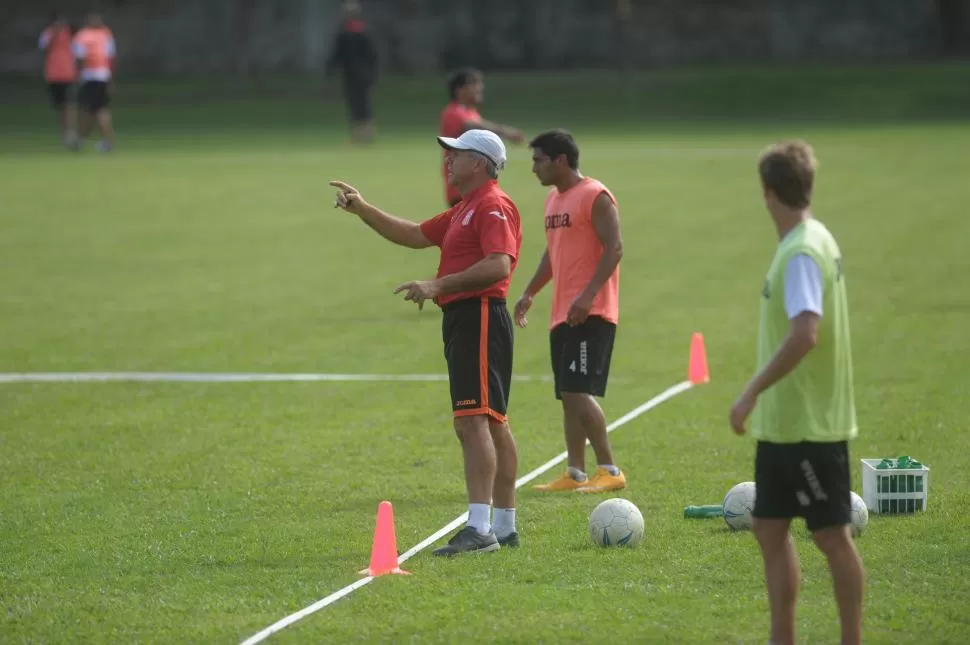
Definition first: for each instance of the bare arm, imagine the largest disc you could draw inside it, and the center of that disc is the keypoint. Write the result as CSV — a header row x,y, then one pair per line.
x,y
803,304
542,275
400,231
484,273
801,339
606,222
504,131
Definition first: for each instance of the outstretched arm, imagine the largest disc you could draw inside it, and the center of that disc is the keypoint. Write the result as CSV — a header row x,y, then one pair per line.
x,y
400,231
505,131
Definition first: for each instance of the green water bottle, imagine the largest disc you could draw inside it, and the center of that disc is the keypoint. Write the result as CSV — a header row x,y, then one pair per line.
x,y
707,510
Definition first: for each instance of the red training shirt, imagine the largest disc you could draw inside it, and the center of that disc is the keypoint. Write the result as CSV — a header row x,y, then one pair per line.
x,y
486,221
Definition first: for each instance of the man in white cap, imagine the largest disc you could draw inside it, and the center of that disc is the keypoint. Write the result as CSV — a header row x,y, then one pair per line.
x,y
479,238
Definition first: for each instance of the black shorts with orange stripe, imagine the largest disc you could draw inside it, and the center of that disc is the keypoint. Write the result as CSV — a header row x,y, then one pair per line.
x,y
478,338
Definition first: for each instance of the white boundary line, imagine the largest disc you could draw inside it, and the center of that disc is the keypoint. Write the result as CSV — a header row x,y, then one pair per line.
x,y
667,394
217,377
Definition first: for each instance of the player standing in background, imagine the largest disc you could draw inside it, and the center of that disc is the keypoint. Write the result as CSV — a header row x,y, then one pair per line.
x,y
479,241
94,47
582,258
354,53
802,398
466,89
60,72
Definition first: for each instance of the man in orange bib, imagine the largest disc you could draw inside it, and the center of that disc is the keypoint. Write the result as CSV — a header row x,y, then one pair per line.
x,y
60,74
94,48
583,251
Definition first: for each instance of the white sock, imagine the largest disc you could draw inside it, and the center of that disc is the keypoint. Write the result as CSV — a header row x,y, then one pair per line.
x,y
577,474
503,521
611,469
478,518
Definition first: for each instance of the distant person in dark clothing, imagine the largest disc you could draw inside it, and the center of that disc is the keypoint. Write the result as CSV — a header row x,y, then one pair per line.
x,y
355,55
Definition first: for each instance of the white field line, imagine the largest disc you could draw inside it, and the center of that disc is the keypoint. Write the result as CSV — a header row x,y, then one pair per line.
x,y
667,394
217,377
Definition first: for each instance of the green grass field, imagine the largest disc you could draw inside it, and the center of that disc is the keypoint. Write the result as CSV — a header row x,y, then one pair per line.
x,y
187,512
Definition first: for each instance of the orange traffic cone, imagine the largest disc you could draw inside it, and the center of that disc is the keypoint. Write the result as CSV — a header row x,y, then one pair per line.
x,y
383,555
697,369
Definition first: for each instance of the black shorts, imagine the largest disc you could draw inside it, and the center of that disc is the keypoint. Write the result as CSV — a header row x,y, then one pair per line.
x,y
357,95
806,479
60,93
581,356
477,333
93,96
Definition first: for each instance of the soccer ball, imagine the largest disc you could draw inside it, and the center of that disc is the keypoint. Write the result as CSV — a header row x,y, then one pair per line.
x,y
616,522
738,504
860,515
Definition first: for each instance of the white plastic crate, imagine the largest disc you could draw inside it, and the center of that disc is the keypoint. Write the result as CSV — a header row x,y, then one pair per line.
x,y
894,490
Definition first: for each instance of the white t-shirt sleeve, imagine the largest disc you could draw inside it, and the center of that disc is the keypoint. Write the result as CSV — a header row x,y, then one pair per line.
x,y
110,48
45,40
79,50
803,286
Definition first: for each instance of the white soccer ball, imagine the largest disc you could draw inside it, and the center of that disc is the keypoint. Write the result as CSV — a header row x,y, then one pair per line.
x,y
616,522
860,515
738,504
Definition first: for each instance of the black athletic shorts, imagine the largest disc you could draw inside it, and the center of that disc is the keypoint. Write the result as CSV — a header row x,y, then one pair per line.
x,y
477,333
581,356
60,93
806,479
357,95
93,96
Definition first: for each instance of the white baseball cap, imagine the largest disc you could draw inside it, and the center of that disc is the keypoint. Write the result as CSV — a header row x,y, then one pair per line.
x,y
484,142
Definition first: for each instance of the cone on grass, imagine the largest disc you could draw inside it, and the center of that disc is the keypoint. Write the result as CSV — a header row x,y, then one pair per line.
x,y
697,368
383,556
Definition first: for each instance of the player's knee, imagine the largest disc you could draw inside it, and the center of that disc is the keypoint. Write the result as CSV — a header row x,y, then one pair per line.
x,y
467,426
503,440
833,539
577,404
500,431
770,533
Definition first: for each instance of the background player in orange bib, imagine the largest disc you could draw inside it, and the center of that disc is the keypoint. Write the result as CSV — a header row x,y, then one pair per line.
x,y
582,259
60,73
94,47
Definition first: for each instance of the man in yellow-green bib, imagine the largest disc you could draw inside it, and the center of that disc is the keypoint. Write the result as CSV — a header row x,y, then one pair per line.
x,y
801,401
